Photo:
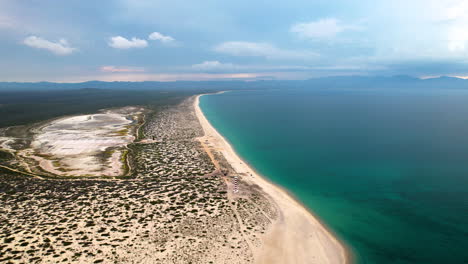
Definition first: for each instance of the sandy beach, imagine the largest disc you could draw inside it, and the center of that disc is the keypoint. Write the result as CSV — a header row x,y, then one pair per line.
x,y
189,199
296,236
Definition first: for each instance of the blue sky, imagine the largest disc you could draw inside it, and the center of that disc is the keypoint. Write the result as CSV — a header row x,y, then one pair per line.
x,y
137,40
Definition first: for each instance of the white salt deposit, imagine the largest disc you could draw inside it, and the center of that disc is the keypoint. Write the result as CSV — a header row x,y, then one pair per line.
x,y
77,145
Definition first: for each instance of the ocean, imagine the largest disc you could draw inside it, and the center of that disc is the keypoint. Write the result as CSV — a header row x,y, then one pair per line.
x,y
385,170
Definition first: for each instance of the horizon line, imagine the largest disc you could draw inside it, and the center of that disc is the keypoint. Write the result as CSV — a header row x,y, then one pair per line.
x,y
243,80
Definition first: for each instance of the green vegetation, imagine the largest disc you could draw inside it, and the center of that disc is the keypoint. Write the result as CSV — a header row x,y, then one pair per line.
x,y
123,160
24,107
141,123
4,155
172,194
122,132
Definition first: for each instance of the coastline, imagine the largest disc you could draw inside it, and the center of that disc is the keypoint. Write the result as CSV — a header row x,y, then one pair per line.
x,y
296,236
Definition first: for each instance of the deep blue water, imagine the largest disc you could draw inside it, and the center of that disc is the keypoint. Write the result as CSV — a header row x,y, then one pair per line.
x,y
387,171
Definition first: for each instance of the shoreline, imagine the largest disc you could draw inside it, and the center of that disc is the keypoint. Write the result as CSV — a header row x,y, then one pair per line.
x,y
295,223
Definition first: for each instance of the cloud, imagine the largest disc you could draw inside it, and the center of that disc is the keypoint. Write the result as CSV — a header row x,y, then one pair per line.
x,y
213,66
59,48
160,37
420,30
114,69
455,17
450,11
216,66
170,77
457,38
119,42
260,49
219,67
322,29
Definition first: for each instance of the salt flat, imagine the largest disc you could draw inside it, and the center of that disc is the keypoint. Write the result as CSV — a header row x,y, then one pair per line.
x,y
84,145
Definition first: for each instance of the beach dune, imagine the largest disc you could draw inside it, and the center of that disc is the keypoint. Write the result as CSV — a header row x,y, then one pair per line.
x,y
296,236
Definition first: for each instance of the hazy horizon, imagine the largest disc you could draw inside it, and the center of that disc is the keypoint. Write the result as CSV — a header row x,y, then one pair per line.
x,y
247,80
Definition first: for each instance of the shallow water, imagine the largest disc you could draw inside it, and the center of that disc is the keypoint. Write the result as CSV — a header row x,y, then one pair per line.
x,y
386,170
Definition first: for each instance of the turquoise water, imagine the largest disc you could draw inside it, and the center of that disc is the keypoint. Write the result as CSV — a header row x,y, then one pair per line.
x,y
387,171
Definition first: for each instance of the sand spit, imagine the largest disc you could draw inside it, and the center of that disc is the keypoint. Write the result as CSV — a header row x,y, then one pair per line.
x,y
295,236
84,145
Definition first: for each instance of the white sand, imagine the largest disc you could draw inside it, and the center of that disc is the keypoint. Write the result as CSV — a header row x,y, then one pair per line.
x,y
297,236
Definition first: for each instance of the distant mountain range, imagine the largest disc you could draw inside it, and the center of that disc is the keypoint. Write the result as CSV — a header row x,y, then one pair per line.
x,y
351,82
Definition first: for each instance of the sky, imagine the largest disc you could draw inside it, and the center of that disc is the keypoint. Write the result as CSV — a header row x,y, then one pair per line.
x,y
155,40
